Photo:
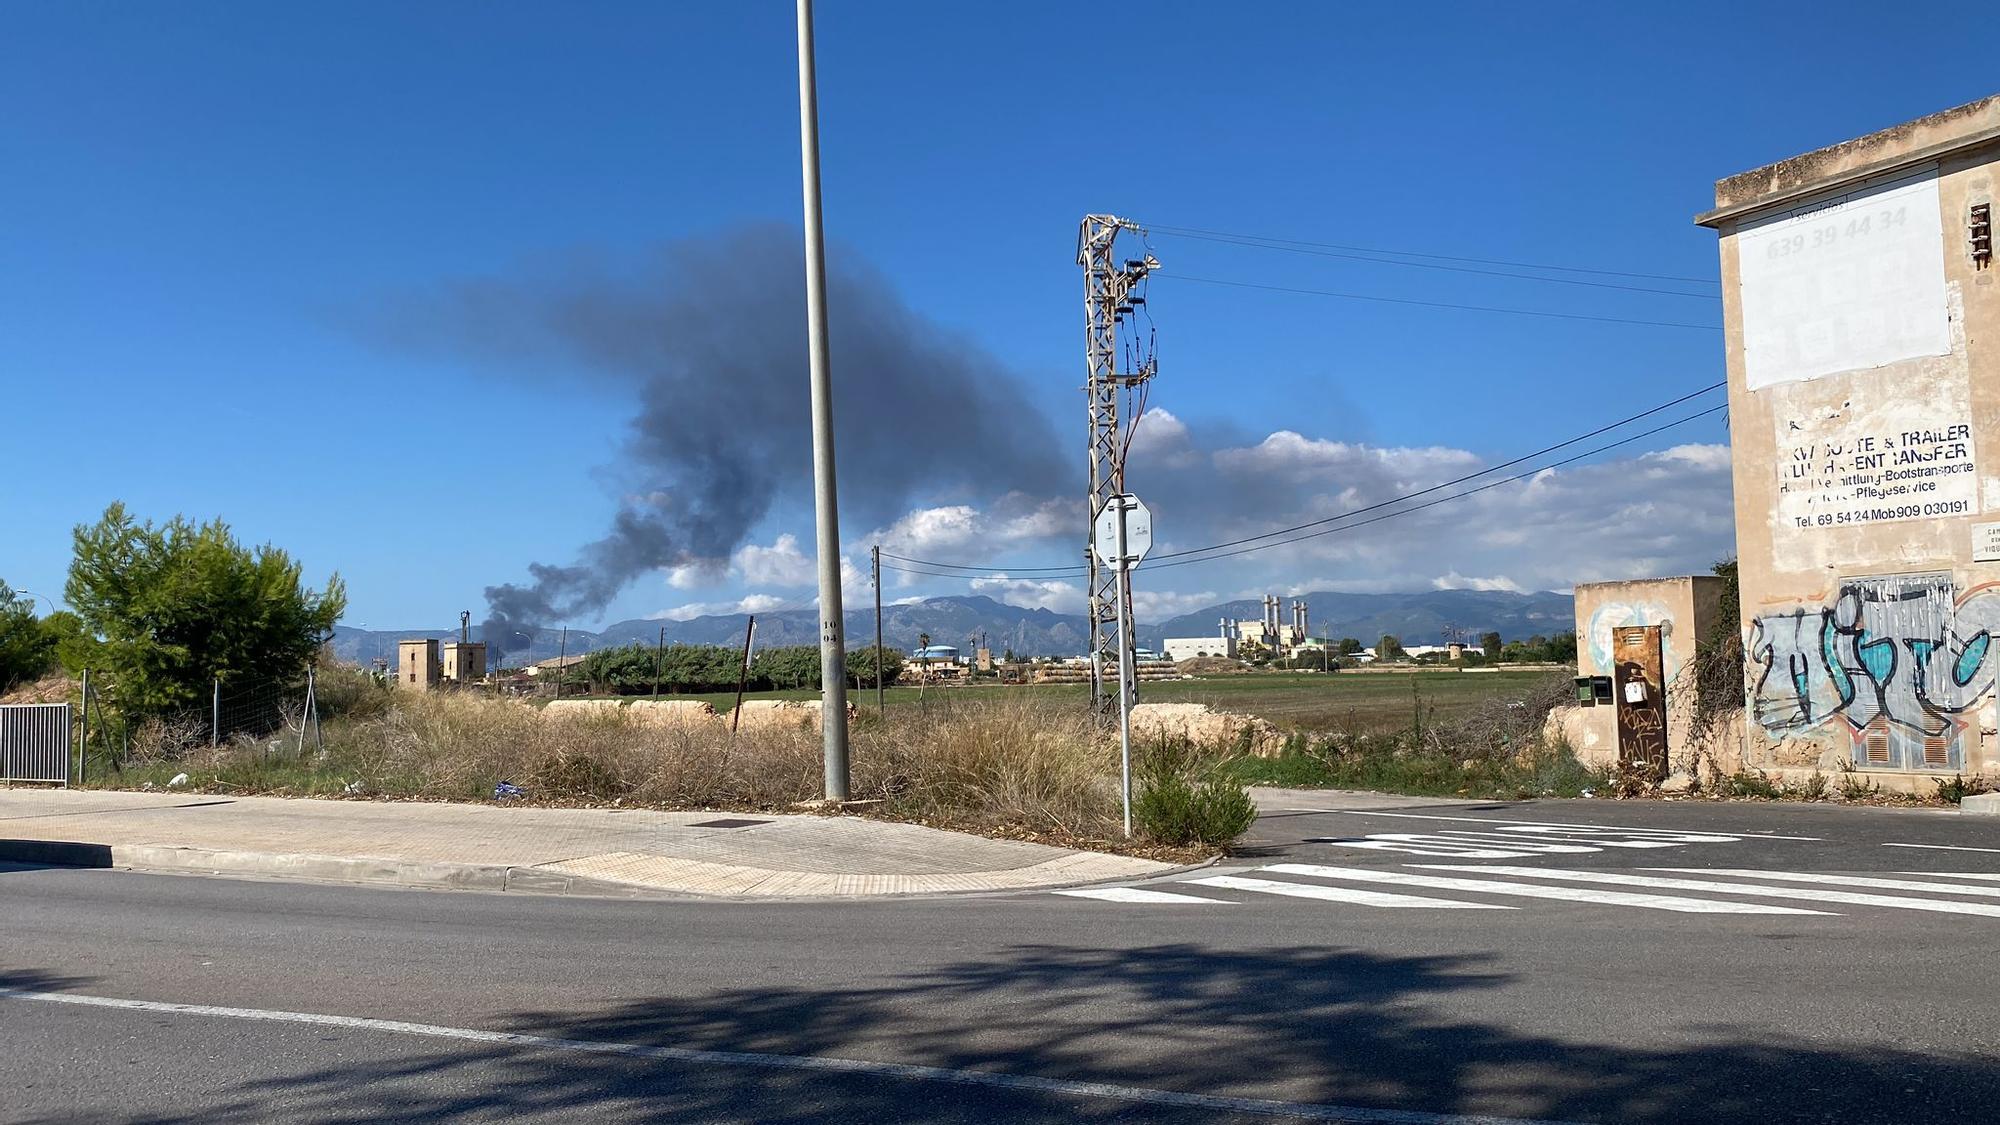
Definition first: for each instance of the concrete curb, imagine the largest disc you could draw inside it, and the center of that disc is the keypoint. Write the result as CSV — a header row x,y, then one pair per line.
x,y
1981,804
381,871
322,868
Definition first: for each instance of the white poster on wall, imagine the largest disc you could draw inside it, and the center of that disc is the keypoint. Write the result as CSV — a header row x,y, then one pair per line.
x,y
1890,458
1844,283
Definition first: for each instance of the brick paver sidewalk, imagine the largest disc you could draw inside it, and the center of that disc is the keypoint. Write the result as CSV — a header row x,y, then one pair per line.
x,y
578,851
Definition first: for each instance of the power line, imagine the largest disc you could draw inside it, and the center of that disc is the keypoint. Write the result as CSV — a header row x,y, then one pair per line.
x,y
1469,476
1279,243
1072,570
1386,515
1445,499
1438,304
1258,245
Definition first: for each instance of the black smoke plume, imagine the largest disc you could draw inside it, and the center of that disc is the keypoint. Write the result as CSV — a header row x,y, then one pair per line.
x,y
709,335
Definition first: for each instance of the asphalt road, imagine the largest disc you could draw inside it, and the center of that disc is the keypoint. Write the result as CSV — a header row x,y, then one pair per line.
x,y
1053,1007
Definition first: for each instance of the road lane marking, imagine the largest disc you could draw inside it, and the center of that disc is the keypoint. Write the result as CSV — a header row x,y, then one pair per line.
x,y
1310,1111
1942,847
1559,824
1633,838
1838,880
1954,874
1419,843
1991,910
1339,894
1529,890
1139,894
1575,841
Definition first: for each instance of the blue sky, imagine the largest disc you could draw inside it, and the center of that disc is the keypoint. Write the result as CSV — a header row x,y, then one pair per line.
x,y
207,203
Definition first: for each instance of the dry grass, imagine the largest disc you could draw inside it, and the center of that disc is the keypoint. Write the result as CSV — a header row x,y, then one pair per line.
x,y
1006,765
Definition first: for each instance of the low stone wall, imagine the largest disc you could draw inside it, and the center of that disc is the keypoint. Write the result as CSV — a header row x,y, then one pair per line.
x,y
1202,724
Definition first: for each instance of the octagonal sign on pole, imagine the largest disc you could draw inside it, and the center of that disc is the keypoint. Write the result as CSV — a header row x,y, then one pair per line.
x,y
1121,536
1138,531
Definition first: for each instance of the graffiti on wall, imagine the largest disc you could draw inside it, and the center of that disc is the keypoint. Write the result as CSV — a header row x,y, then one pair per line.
x,y
1614,615
1895,664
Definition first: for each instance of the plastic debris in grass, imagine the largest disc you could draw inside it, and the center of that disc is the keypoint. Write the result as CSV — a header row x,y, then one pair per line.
x,y
507,790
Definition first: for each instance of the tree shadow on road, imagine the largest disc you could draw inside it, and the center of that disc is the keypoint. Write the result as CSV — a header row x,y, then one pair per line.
x,y
1344,1027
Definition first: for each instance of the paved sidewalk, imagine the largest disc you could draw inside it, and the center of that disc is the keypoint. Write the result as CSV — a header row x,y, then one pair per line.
x,y
549,851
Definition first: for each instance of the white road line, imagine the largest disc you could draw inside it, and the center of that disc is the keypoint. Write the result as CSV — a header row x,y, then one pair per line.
x,y
1531,890
1339,894
1060,1086
1954,874
1138,894
1942,847
1474,849
1838,880
1990,910
1573,842
1559,824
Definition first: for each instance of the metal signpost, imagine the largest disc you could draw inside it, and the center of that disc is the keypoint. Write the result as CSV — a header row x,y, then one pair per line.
x,y
1121,536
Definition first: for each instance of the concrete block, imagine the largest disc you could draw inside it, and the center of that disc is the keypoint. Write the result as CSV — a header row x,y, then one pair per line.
x,y
1983,804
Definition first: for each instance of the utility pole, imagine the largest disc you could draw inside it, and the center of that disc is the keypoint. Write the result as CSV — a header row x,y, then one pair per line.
x,y
826,508
562,656
659,660
743,674
875,554
1108,300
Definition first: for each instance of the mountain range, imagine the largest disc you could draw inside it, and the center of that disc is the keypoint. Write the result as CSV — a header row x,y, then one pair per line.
x,y
1417,618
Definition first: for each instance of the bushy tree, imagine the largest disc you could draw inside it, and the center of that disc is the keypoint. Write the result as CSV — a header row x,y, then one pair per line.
x,y
27,645
1489,644
627,669
1388,648
861,667
165,609
792,667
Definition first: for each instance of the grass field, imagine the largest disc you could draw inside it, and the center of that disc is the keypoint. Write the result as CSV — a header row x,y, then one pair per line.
x,y
1354,701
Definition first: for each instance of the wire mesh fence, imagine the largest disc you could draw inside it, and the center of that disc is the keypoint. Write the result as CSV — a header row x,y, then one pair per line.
x,y
279,716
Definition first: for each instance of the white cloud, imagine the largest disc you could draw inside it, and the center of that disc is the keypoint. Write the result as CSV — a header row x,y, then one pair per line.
x,y
1710,456
1058,596
1296,457
780,564
752,603
1457,581
1161,439
1158,605
931,530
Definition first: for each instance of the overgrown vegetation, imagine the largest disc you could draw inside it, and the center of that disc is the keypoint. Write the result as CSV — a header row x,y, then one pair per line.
x,y
1186,795
1006,764
1717,670
1957,788
1497,750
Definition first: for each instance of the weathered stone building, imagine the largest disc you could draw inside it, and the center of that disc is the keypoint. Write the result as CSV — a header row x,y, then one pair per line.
x,y
1643,632
1862,322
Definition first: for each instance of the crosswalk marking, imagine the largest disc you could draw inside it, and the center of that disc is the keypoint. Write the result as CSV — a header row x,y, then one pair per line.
x,y
1338,894
1580,842
1837,880
1140,894
1563,824
1990,910
1530,890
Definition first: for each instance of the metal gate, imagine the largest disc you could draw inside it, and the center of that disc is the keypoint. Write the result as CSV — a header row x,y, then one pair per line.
x,y
34,742
1639,678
